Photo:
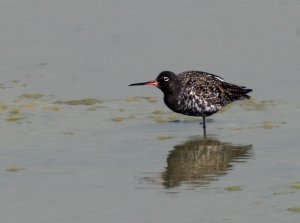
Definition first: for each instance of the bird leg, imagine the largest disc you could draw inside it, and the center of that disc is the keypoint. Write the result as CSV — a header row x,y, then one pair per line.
x,y
204,126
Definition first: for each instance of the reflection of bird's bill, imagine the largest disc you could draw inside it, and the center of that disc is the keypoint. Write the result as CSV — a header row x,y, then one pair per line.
x,y
200,160
152,83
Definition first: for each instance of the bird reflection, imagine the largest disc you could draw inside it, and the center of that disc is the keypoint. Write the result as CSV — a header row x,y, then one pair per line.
x,y
201,160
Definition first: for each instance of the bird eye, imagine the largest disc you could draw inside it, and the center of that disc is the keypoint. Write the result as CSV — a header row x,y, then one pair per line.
x,y
166,79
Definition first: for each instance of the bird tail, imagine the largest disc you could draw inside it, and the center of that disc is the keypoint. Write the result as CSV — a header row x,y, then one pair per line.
x,y
235,92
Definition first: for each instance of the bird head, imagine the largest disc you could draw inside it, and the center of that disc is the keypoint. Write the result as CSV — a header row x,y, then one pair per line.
x,y
166,81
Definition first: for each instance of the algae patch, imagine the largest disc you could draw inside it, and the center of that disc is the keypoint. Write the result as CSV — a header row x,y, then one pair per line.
x,y
165,137
134,99
294,209
118,119
252,104
85,101
32,95
158,112
30,105
234,188
15,81
141,99
15,118
159,119
151,99
15,111
3,107
296,186
14,169
269,125
172,118
52,107
226,108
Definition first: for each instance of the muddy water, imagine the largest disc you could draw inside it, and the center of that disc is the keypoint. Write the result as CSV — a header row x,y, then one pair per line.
x,y
78,145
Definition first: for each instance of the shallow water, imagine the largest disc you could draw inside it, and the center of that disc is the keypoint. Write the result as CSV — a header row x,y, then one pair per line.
x,y
79,145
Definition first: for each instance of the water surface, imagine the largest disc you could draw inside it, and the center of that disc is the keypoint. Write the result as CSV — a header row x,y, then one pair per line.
x,y
78,145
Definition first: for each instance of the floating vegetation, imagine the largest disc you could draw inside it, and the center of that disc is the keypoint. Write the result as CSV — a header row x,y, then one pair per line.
x,y
2,86
269,125
15,111
252,104
32,95
296,186
134,99
294,209
158,112
15,81
31,105
14,118
233,188
151,99
15,169
165,137
159,119
283,193
172,118
85,101
94,108
236,129
3,107
52,107
118,119
226,108
141,99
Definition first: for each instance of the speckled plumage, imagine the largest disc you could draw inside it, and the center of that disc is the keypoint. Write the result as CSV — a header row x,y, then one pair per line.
x,y
202,94
197,93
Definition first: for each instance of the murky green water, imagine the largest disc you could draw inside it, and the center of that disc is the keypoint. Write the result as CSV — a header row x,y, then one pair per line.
x,y
78,145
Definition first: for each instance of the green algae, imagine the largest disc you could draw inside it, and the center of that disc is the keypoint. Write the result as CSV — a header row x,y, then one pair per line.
x,y
141,99
15,81
233,188
283,193
15,111
269,125
296,186
52,107
151,99
294,209
236,129
226,108
15,118
94,107
85,101
14,169
160,119
254,105
31,105
32,95
133,99
158,112
165,137
118,119
4,107
2,86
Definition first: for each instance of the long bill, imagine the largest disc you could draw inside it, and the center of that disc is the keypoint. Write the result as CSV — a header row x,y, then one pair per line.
x,y
152,83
